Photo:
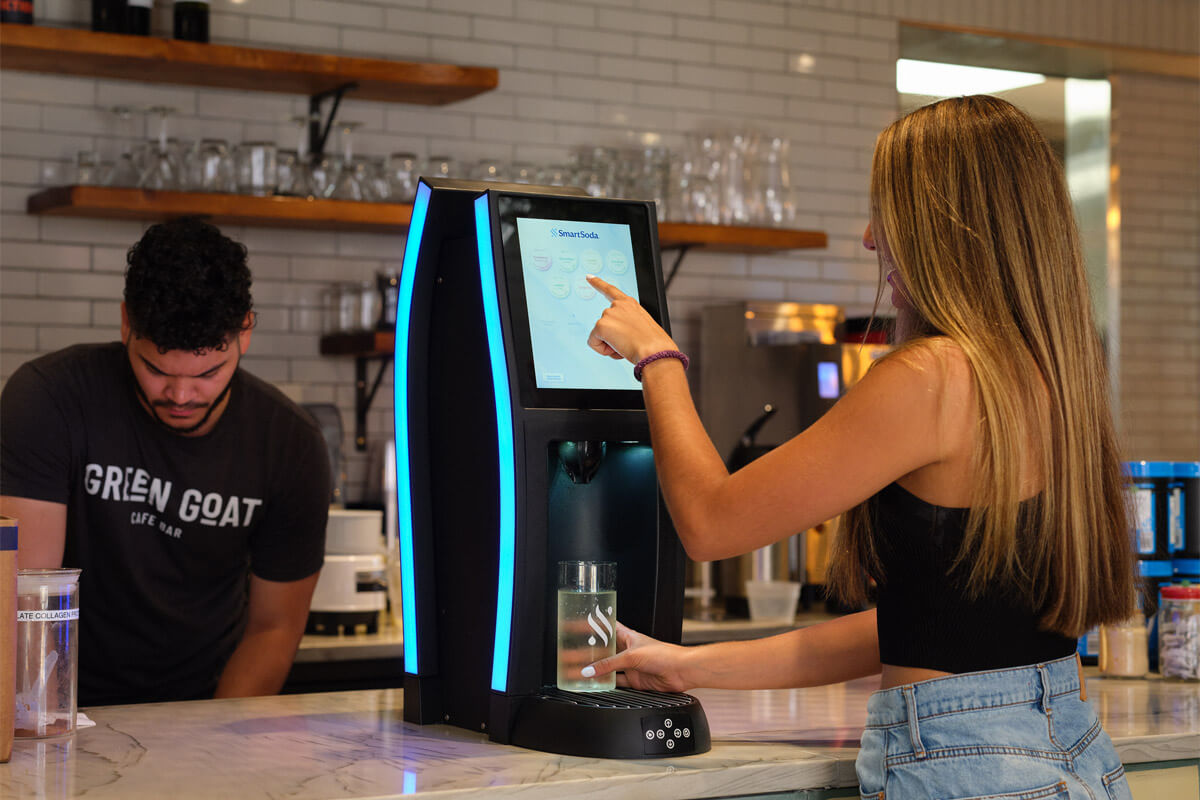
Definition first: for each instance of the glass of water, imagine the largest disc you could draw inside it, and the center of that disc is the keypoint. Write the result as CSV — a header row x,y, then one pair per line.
x,y
587,622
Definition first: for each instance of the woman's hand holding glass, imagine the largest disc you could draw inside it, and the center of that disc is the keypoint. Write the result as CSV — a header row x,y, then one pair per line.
x,y
645,663
625,329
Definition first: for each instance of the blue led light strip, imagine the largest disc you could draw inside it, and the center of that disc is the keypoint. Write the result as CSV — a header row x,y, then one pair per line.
x,y
504,441
404,511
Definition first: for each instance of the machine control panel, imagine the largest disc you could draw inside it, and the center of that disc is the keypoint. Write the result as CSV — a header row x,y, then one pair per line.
x,y
668,735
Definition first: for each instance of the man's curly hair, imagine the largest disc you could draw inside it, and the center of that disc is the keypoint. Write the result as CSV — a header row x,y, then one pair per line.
x,y
187,287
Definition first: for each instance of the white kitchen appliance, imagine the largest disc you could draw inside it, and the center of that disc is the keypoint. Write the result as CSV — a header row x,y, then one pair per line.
x,y
352,589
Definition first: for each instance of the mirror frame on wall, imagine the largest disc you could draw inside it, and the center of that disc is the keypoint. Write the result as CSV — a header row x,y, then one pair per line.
x,y
1083,135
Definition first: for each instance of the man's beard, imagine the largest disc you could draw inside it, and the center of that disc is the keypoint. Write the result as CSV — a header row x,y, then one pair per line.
x,y
137,387
191,428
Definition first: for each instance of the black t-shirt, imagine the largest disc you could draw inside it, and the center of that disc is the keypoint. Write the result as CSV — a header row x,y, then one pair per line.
x,y
166,528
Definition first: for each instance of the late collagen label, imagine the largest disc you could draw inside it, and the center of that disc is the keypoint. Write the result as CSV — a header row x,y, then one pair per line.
x,y
48,615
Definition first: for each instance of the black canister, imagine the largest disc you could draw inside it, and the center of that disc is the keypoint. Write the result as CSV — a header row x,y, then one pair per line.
x,y
19,12
191,20
137,17
108,16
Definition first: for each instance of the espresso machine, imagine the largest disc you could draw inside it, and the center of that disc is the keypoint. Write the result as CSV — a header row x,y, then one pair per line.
x,y
770,371
517,447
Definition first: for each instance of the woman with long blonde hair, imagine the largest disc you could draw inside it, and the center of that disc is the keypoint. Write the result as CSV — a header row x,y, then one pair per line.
x,y
977,466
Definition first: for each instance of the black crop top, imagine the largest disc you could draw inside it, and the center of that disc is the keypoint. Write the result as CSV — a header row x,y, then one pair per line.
x,y
924,618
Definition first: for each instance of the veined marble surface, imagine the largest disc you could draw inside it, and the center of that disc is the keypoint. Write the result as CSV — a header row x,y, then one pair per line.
x,y
356,745
388,642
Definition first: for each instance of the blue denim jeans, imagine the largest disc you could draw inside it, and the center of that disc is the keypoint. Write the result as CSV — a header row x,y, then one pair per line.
x,y
1007,733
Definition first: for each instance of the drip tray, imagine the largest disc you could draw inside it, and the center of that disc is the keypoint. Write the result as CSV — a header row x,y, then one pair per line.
x,y
618,698
622,723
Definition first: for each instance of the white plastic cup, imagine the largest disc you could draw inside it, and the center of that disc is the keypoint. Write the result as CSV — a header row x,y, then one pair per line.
x,y
773,601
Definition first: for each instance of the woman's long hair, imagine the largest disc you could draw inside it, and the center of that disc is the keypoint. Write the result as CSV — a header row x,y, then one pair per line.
x,y
970,205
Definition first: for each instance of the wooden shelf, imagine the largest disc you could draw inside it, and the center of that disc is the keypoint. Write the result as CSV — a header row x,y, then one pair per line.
x,y
221,209
366,344
147,59
736,238
235,209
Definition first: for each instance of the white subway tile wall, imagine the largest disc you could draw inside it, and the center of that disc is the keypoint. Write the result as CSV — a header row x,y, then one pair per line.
x,y
1154,141
599,71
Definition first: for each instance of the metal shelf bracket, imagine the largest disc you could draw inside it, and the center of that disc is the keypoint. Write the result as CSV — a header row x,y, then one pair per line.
x,y
363,397
682,251
318,133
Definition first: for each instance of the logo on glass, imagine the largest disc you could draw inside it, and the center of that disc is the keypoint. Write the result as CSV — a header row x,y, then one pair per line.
x,y
600,625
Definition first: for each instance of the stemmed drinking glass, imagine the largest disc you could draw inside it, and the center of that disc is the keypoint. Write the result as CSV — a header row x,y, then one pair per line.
x,y
738,149
295,168
162,168
773,184
348,184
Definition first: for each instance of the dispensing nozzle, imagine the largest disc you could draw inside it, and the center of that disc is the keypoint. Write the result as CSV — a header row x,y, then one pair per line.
x,y
581,460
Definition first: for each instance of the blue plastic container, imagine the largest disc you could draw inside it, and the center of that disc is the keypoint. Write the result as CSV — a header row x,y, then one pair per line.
x,y
1149,482
1183,512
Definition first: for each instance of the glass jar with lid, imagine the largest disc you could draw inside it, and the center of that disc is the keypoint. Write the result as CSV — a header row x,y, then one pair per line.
x,y
1179,633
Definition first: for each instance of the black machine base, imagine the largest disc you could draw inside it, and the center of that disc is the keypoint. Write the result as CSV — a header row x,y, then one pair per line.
x,y
622,723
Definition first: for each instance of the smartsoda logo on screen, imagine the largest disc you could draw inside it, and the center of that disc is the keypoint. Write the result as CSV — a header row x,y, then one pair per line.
x,y
559,232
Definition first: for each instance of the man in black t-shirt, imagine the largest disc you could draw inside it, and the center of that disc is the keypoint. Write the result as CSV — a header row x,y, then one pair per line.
x,y
192,495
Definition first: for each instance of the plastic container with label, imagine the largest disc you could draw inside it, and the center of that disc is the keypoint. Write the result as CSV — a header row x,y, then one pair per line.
x,y
1149,481
47,652
1179,633
1183,507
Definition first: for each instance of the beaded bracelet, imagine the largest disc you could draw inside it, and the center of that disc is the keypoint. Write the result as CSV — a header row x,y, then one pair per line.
x,y
637,368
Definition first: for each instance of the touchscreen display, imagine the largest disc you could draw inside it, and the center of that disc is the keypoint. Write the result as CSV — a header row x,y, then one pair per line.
x,y
556,255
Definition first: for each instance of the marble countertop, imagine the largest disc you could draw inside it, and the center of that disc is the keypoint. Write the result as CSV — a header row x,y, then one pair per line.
x,y
356,745
388,642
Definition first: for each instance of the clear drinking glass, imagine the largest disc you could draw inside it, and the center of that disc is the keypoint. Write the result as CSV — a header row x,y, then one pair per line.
x,y
124,173
773,188
350,306
299,178
401,171
522,172
490,169
322,173
554,175
595,170
738,155
347,184
442,167
649,169
697,197
90,170
212,167
257,168
587,623
161,170
287,167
